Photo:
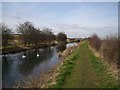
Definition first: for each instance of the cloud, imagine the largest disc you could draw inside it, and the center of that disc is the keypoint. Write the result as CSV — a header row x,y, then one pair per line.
x,y
75,19
93,14
0,12
60,0
80,31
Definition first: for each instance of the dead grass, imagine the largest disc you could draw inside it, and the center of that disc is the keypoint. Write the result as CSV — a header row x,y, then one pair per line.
x,y
107,51
111,68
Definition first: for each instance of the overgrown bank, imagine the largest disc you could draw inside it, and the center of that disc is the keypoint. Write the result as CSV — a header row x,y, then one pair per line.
x,y
83,70
65,69
17,49
107,50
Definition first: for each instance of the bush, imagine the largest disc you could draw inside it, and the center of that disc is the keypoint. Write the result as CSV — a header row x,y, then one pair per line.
x,y
95,42
109,49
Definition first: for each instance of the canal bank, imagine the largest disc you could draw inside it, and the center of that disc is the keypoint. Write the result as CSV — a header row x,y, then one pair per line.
x,y
17,49
83,70
15,66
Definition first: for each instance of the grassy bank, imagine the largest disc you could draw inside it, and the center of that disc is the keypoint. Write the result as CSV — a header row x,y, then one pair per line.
x,y
20,47
83,70
66,68
16,49
105,79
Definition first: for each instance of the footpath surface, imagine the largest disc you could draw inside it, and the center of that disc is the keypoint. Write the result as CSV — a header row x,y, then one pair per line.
x,y
88,72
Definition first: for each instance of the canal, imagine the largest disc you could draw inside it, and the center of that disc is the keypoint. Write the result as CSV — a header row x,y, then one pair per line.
x,y
15,67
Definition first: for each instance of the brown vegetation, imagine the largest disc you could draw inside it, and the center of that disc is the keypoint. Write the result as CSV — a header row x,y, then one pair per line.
x,y
6,35
95,42
108,51
61,37
28,36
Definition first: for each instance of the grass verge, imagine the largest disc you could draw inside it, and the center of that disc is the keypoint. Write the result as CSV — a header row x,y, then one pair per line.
x,y
106,80
86,69
66,69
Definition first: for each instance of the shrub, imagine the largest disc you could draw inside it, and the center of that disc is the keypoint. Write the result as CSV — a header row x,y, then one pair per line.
x,y
95,42
109,49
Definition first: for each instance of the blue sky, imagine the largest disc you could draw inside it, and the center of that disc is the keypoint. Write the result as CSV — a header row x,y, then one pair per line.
x,y
76,19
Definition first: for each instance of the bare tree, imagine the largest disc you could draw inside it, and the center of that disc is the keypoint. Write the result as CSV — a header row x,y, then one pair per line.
x,y
49,35
24,31
61,37
35,36
31,35
7,35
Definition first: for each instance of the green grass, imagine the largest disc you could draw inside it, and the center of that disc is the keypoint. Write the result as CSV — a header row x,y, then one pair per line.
x,y
105,79
83,70
65,69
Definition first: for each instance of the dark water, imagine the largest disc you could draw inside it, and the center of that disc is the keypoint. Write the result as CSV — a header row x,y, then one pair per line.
x,y
16,68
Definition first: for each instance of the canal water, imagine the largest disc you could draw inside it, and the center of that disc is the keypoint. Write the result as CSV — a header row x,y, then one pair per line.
x,y
16,68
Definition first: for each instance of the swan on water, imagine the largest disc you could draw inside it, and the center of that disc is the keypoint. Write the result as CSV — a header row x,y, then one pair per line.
x,y
6,55
38,55
24,56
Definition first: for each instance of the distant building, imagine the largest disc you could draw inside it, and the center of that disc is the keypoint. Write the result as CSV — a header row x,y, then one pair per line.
x,y
74,39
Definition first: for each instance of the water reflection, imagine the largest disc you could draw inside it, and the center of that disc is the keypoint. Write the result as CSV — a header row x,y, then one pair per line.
x,y
31,60
61,47
6,64
72,44
15,68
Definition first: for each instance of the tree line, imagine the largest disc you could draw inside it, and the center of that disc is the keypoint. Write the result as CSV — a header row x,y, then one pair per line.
x,y
30,35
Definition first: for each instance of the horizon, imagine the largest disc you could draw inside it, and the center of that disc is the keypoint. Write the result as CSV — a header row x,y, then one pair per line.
x,y
76,19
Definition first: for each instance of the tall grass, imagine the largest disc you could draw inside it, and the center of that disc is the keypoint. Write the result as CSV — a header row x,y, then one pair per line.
x,y
108,48
95,42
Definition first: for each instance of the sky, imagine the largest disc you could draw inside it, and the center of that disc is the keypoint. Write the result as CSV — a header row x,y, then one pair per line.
x,y
60,0
76,19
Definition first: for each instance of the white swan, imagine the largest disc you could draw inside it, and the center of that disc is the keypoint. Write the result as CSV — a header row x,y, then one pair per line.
x,y
23,56
6,55
38,55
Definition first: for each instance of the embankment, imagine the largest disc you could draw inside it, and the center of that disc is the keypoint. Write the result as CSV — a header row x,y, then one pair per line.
x,y
84,70
17,49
